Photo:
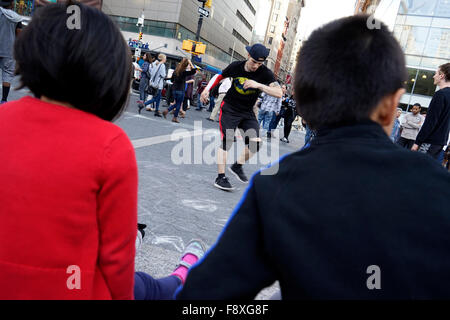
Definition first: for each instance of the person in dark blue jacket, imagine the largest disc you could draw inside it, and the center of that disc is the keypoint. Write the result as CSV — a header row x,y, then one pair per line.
x,y
331,221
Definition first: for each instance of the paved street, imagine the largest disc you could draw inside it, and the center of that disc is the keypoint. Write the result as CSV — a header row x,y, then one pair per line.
x,y
178,202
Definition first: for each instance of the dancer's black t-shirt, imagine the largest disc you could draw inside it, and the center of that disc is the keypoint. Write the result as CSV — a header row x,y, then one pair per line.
x,y
237,96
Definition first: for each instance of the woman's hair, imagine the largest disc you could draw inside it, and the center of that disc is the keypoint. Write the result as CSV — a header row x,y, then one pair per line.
x,y
70,65
181,67
148,57
161,56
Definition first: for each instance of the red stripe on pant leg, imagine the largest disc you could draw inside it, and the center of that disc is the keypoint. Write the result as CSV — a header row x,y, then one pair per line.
x,y
220,119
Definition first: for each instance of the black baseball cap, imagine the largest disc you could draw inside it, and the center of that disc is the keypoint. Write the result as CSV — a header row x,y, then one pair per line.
x,y
258,52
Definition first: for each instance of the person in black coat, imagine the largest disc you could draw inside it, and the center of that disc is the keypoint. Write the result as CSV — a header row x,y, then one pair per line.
x,y
336,220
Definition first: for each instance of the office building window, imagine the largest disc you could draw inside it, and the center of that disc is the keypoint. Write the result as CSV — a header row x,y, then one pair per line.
x,y
270,40
272,29
277,5
240,38
249,5
275,17
241,17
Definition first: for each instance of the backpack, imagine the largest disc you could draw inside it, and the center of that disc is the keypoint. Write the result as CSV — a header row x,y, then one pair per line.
x,y
154,72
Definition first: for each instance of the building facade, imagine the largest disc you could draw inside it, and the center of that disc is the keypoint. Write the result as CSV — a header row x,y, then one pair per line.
x,y
226,31
422,28
280,35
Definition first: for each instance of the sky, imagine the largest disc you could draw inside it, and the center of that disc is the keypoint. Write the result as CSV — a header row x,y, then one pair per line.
x,y
318,12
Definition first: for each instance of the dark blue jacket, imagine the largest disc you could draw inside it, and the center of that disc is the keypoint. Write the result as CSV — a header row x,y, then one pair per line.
x,y
351,201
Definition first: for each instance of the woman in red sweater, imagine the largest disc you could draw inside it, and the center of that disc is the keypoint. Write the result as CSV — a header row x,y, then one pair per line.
x,y
68,190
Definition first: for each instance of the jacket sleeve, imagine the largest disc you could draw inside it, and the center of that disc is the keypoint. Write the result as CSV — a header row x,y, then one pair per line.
x,y
237,266
432,118
117,217
415,125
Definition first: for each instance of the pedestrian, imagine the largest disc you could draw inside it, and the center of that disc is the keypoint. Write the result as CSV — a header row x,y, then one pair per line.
x,y
188,96
223,89
275,120
269,108
434,133
68,191
395,134
136,69
250,77
410,127
156,82
201,85
333,223
143,83
179,81
289,116
213,95
10,27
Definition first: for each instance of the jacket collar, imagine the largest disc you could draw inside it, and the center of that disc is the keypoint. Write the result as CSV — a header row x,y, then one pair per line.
x,y
366,129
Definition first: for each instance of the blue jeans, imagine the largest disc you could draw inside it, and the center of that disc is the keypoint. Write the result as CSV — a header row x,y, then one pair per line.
x,y
156,99
211,103
275,120
179,97
142,86
199,102
148,288
265,119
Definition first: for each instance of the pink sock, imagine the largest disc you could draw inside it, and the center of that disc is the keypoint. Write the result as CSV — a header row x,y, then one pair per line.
x,y
181,272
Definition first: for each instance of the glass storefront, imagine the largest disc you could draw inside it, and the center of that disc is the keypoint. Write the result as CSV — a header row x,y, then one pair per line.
x,y
423,31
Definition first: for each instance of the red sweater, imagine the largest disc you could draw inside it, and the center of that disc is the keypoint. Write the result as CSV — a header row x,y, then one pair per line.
x,y
68,196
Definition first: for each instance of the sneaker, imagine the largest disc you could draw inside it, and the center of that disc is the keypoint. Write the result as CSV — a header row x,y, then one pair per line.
x,y
223,183
158,114
193,252
209,119
284,140
140,106
238,172
140,235
141,227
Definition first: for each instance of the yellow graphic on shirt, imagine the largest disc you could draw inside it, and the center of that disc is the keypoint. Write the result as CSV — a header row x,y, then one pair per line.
x,y
238,84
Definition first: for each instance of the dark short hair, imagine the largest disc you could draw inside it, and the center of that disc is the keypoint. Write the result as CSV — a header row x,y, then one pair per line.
x,y
71,65
445,69
344,70
417,105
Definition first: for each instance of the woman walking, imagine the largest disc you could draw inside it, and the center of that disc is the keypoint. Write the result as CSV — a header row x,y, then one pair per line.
x,y
143,83
179,81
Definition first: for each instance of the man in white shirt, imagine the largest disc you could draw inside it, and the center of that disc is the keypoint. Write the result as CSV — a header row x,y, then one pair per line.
x,y
226,84
411,125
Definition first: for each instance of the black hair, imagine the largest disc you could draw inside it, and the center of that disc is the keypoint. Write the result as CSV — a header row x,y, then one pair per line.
x,y
70,65
417,104
9,5
344,70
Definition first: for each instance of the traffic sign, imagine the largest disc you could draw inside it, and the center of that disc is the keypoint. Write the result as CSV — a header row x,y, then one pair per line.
x,y
203,12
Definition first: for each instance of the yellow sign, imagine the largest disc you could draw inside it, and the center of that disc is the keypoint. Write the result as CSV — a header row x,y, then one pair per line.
x,y
208,3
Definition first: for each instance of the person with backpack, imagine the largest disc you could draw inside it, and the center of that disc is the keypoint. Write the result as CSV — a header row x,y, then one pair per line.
x,y
156,83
